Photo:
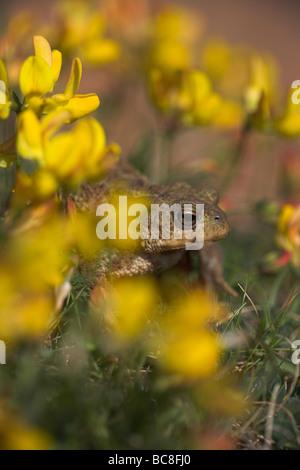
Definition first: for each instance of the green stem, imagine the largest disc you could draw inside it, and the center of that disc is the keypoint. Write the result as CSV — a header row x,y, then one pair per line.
x,y
236,156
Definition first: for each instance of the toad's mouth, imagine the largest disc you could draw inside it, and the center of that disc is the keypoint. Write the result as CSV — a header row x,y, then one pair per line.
x,y
215,237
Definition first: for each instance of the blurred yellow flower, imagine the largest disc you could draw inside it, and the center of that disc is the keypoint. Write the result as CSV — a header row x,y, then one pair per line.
x,y
189,97
174,32
244,78
133,303
195,310
36,260
16,434
81,234
216,58
57,155
192,355
177,24
288,232
288,122
189,348
258,93
82,32
24,314
170,56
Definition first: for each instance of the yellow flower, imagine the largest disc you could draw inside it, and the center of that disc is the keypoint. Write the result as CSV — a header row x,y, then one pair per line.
x,y
174,32
5,101
40,72
25,315
38,75
186,96
288,122
81,234
83,31
192,355
177,24
16,434
32,241
36,187
216,58
245,79
69,157
170,56
288,232
36,260
189,348
100,51
77,105
193,311
258,92
132,303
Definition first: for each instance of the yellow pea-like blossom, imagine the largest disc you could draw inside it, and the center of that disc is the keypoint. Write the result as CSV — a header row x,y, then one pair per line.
x,y
57,155
38,76
40,72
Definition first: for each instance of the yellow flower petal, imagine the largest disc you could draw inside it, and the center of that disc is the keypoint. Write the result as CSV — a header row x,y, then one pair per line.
x,y
56,64
36,77
73,164
42,49
3,72
74,78
29,137
81,105
284,217
97,136
64,158
53,121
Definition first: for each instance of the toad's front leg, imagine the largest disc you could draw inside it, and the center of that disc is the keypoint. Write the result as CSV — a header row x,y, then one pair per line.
x,y
211,268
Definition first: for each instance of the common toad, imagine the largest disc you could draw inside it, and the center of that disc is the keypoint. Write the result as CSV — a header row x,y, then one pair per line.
x,y
155,255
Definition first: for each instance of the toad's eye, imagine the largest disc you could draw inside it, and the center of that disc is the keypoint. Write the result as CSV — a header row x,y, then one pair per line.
x,y
187,219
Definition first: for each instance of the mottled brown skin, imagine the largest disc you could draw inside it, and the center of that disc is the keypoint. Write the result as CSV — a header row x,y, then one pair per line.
x,y
154,255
